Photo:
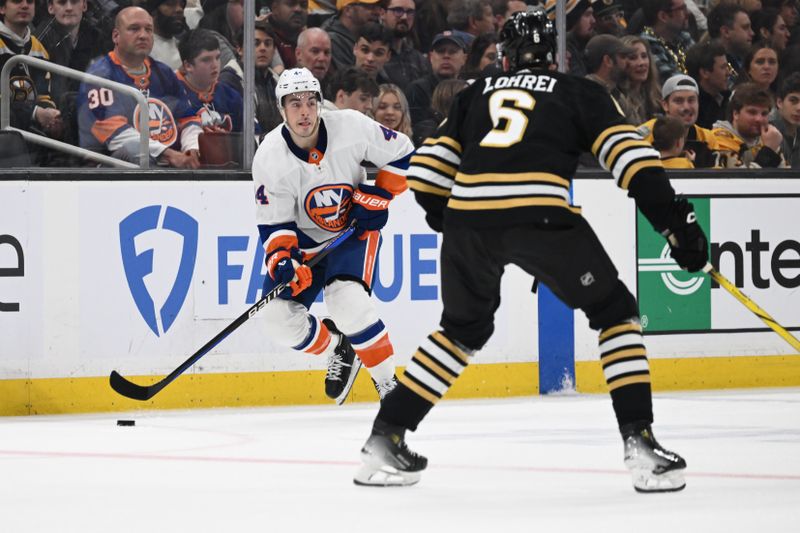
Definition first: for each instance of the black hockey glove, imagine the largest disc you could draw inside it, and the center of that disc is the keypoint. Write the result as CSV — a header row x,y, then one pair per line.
x,y
687,240
370,208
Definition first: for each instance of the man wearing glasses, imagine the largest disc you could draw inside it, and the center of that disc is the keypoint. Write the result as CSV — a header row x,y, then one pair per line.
x,y
407,63
351,16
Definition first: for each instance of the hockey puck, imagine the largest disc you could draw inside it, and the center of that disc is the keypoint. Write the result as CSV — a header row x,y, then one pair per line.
x,y
126,422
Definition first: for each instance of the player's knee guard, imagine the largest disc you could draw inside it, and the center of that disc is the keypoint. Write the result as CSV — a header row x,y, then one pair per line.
x,y
353,310
617,307
288,323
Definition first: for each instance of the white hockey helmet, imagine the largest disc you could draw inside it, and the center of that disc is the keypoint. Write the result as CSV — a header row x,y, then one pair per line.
x,y
297,80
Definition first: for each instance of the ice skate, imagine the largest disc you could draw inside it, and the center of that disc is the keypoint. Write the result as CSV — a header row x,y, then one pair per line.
x,y
385,387
343,366
653,468
387,461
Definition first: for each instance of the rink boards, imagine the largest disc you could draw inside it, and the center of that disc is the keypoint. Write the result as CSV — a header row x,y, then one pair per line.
x,y
136,275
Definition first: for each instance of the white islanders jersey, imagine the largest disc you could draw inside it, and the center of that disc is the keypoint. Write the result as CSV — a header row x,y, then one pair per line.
x,y
305,195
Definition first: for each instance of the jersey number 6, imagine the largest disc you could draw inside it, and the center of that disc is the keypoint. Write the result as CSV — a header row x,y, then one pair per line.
x,y
508,104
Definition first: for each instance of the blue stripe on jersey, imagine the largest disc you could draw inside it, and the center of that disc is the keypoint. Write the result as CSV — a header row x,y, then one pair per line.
x,y
402,162
368,334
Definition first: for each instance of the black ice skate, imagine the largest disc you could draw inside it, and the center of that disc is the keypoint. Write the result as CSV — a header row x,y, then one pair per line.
x,y
385,387
343,366
654,469
387,461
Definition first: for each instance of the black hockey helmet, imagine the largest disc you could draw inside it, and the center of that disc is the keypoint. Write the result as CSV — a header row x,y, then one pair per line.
x,y
528,39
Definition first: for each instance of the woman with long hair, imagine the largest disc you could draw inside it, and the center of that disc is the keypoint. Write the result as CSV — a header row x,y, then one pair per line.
x,y
761,67
482,53
641,85
391,109
769,27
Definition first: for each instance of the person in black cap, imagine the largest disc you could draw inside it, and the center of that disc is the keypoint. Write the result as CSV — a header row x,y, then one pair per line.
x,y
608,17
580,28
606,59
447,56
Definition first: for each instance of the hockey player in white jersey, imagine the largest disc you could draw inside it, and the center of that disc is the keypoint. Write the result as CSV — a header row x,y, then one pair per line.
x,y
309,185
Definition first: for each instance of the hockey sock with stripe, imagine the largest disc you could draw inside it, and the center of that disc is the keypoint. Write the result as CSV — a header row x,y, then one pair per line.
x,y
623,358
432,371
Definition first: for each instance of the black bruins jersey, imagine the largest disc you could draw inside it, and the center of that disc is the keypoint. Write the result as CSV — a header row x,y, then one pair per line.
x,y
510,146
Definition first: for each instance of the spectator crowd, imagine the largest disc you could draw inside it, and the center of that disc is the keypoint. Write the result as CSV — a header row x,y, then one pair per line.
x,y
712,84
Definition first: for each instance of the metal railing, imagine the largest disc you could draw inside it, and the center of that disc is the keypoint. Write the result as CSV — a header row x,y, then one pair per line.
x,y
144,112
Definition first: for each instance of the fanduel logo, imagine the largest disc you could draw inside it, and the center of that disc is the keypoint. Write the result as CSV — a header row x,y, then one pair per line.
x,y
140,265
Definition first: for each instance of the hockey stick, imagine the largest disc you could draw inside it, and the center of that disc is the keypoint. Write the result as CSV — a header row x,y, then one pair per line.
x,y
144,392
751,305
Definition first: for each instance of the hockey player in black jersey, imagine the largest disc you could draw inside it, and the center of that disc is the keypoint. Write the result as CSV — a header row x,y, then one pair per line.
x,y
495,181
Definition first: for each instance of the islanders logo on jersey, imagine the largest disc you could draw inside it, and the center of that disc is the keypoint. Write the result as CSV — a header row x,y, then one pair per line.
x,y
328,205
163,127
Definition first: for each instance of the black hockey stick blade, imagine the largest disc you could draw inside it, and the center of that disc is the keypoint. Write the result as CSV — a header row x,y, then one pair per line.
x,y
143,393
132,390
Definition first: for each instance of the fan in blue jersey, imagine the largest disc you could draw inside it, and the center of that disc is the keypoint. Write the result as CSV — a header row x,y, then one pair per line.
x,y
108,120
219,105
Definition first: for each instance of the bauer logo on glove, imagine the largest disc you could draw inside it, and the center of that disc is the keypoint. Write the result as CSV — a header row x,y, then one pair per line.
x,y
370,208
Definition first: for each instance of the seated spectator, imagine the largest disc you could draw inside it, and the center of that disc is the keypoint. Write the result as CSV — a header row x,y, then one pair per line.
x,y
406,63
580,28
431,20
730,25
168,25
343,28
707,64
473,17
786,118
314,53
640,84
503,9
288,18
666,22
769,27
482,58
73,41
606,60
108,120
447,56
226,20
761,67
70,40
31,105
441,101
219,104
391,109
373,50
669,138
267,114
353,89
609,17
749,140
679,100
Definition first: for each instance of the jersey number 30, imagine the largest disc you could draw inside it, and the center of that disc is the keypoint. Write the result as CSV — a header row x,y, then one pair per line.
x,y
508,104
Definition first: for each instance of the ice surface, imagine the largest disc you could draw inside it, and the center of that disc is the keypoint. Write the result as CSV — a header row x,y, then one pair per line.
x,y
530,464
